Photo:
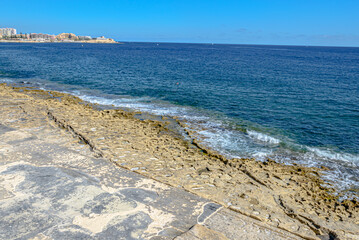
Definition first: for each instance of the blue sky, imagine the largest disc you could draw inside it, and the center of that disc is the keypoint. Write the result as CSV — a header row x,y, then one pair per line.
x,y
293,22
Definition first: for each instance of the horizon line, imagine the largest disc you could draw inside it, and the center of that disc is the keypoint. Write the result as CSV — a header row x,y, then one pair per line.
x,y
250,44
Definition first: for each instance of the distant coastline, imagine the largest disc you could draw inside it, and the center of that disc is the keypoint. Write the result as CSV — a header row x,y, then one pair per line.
x,y
82,41
10,35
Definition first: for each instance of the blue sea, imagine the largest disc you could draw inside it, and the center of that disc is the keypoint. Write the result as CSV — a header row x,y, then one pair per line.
x,y
293,104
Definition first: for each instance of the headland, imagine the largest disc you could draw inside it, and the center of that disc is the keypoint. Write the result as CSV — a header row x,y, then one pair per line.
x,y
10,35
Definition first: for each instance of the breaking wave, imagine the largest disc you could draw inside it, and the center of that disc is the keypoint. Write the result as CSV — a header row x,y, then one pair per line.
x,y
262,137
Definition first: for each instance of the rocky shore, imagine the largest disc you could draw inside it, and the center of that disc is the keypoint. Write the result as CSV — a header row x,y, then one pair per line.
x,y
292,198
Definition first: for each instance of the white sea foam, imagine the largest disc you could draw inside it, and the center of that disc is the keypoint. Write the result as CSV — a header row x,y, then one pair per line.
x,y
329,154
144,104
6,80
130,103
261,155
107,101
262,137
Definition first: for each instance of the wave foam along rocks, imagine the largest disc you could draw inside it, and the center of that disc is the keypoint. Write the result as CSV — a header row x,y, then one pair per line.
x,y
262,137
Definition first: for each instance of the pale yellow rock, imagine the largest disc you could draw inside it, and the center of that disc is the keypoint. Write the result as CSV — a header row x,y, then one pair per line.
x,y
291,197
199,232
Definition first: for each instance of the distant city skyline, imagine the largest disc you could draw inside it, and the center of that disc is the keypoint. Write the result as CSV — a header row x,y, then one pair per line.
x,y
276,22
10,35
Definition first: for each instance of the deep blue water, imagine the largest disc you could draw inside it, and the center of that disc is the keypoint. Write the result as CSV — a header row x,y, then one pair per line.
x,y
293,104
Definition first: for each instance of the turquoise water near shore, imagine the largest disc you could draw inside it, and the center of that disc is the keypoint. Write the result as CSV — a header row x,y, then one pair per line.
x,y
289,103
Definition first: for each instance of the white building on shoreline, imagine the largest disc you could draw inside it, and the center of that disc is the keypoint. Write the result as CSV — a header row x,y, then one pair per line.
x,y
8,32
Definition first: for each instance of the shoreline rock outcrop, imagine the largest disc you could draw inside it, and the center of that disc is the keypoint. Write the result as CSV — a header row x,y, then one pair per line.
x,y
292,198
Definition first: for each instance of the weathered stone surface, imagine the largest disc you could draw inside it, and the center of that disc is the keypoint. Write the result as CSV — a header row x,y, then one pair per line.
x,y
37,126
236,226
200,232
50,191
